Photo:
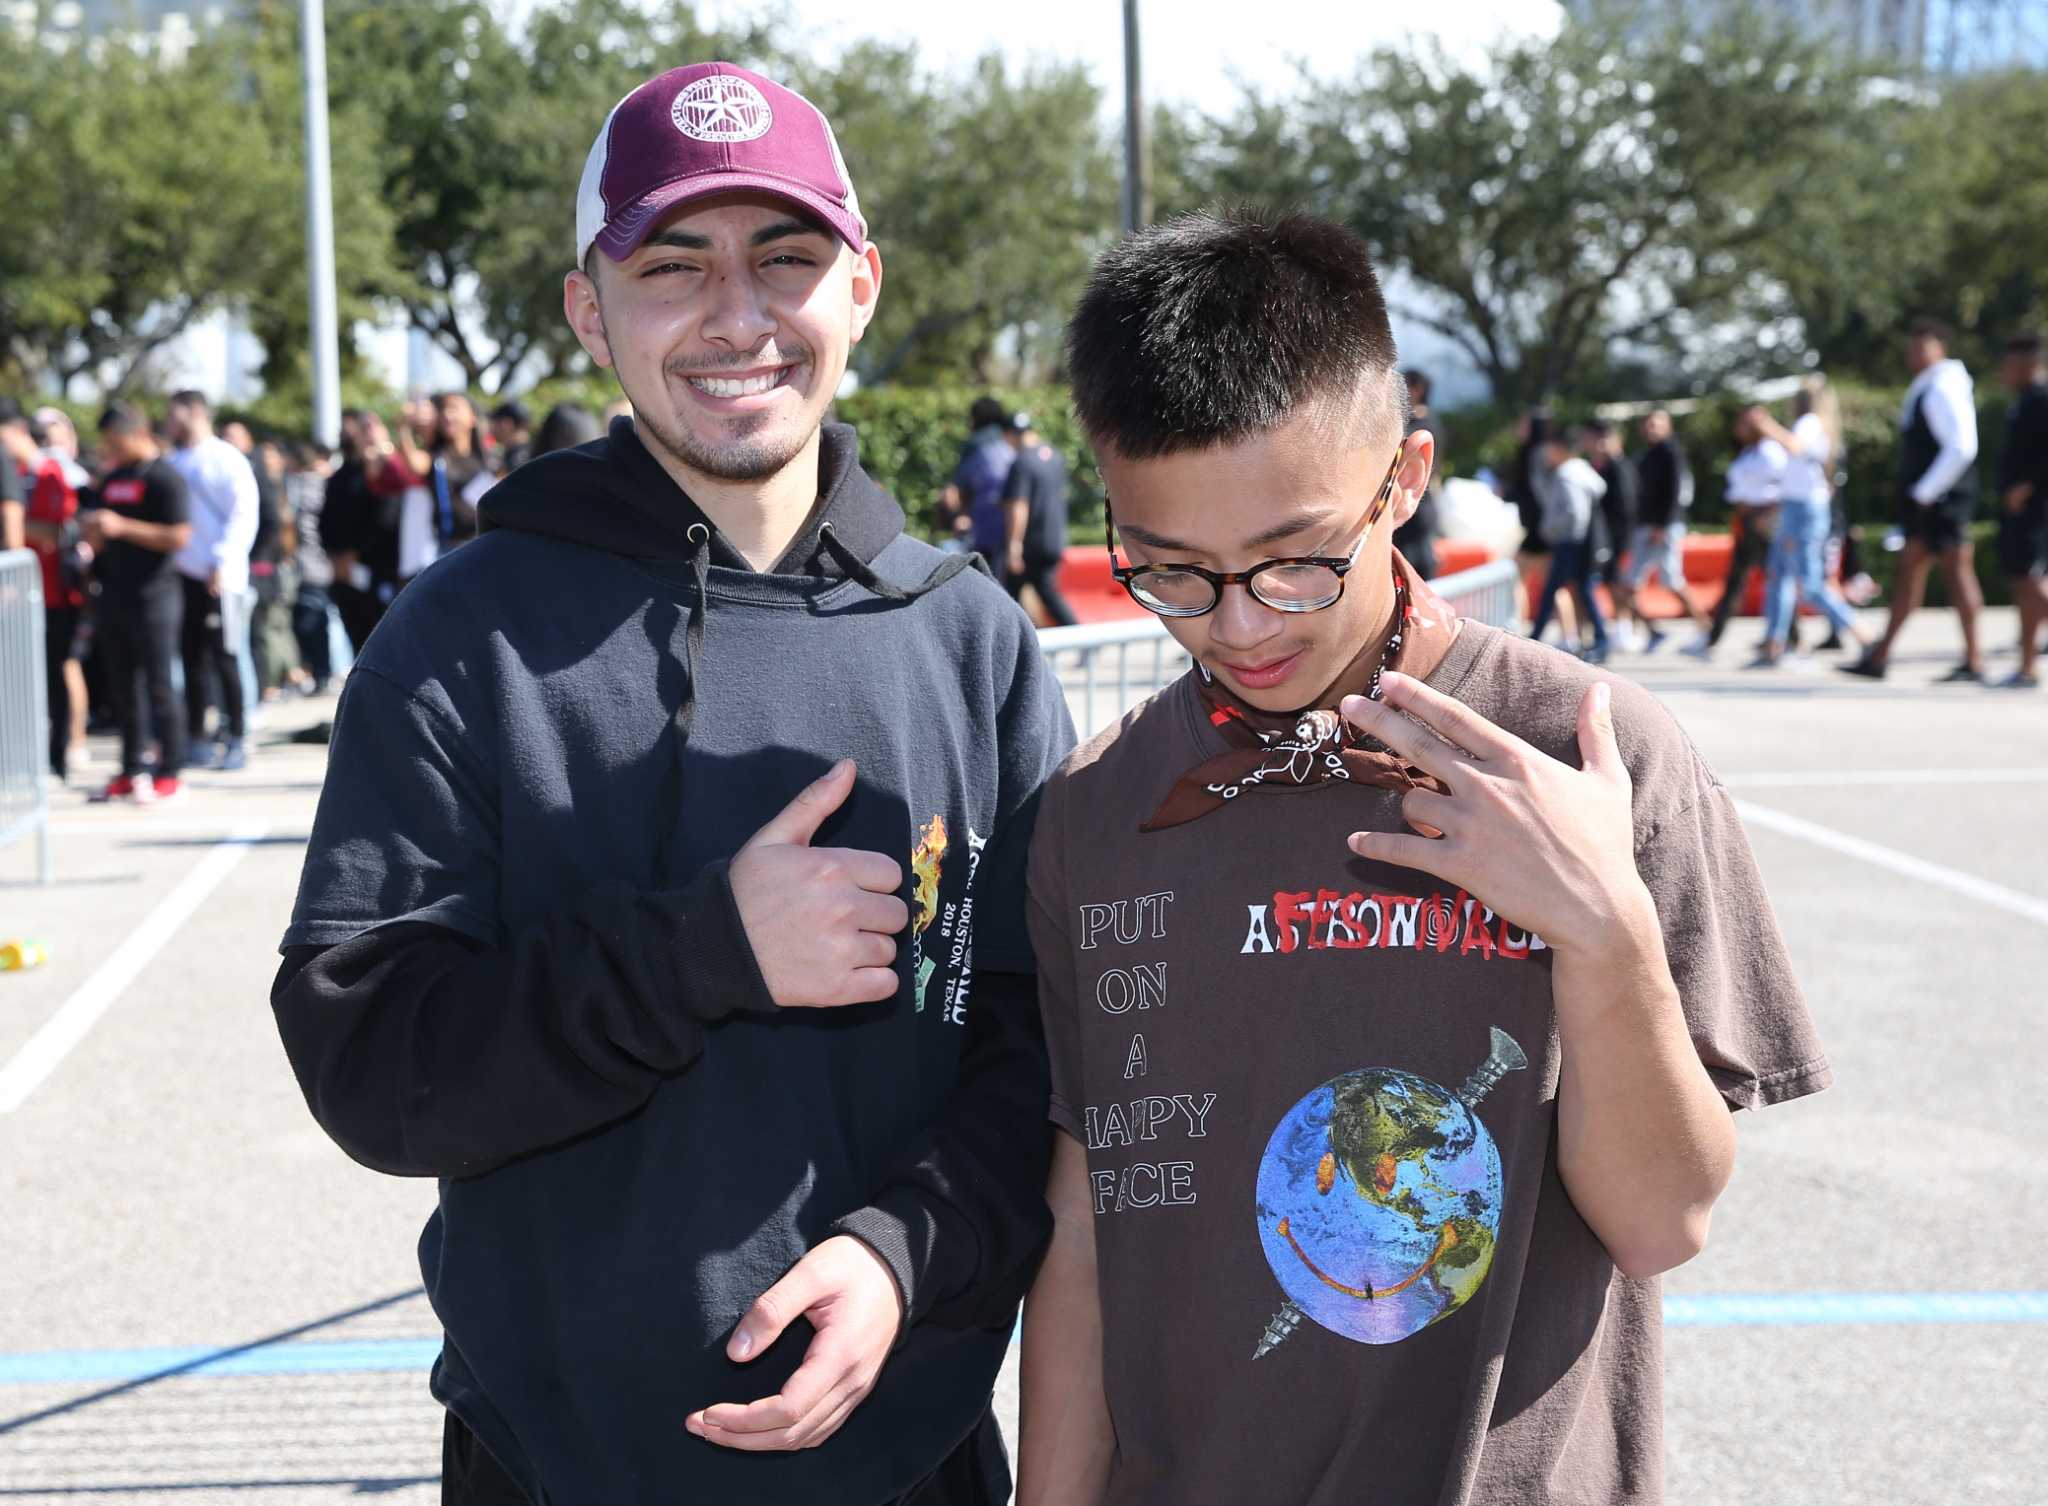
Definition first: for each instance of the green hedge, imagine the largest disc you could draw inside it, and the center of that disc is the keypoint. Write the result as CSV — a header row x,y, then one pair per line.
x,y
910,439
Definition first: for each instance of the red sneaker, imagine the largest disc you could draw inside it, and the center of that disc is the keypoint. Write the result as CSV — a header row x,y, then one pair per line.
x,y
166,787
120,787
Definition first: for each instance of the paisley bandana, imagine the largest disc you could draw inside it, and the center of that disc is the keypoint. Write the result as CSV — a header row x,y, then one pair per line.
x,y
1293,750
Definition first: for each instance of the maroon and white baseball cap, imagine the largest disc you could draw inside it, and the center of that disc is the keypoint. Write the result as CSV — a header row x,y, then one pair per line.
x,y
710,128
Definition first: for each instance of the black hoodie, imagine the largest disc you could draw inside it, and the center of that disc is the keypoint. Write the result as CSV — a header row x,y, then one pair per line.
x,y
515,964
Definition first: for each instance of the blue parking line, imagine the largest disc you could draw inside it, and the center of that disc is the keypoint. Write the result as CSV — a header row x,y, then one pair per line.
x,y
61,1367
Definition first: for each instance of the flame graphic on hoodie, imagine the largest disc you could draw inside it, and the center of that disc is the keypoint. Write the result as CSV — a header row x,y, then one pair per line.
x,y
925,861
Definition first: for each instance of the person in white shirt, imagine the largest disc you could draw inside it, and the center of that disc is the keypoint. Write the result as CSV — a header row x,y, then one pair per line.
x,y
1938,481
1754,484
215,570
1798,561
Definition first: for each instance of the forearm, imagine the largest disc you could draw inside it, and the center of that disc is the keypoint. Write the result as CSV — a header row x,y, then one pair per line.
x,y
41,533
12,526
423,1053
1067,1441
960,1220
1645,1142
161,538
1016,515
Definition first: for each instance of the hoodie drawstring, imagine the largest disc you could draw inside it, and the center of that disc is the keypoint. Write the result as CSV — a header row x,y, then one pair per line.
x,y
862,574
669,804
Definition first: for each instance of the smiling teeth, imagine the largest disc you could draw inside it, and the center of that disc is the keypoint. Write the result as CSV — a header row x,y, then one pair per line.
x,y
751,387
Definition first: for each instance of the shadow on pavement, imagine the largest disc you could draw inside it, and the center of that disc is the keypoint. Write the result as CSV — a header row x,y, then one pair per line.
x,y
79,1403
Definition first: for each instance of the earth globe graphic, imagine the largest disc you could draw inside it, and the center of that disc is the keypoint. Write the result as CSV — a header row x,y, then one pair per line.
x,y
1379,1200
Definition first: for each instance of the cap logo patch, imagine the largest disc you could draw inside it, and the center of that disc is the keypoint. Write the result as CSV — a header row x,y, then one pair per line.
x,y
722,108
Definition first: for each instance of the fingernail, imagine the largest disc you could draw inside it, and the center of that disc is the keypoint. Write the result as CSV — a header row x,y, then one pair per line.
x,y
1603,696
1352,704
694,1423
742,1344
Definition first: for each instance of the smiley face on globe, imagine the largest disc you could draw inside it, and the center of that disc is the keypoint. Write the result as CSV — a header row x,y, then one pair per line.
x,y
1379,1201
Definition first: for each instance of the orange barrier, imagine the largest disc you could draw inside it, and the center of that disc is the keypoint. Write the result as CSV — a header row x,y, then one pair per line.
x,y
1096,597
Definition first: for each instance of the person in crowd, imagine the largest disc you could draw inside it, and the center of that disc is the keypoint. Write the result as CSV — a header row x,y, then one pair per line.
x,y
269,507
359,525
274,578
1755,477
140,526
1938,499
312,603
213,567
1572,491
1035,519
1657,547
1798,561
441,463
512,437
687,808
1533,431
1416,538
49,526
567,426
973,498
1399,975
60,443
1606,453
2023,498
13,486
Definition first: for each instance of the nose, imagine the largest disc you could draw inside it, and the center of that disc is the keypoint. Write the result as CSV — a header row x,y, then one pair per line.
x,y
1241,621
736,318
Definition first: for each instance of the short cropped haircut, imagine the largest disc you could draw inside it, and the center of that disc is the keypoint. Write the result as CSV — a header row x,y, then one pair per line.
x,y
124,418
1933,329
1211,328
2025,344
190,398
1418,383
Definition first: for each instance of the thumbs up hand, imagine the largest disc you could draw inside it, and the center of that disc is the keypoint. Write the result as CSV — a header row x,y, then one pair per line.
x,y
822,921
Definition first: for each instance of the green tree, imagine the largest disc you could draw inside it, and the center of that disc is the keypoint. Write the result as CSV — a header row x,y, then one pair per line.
x,y
988,195
146,191
483,132
1616,189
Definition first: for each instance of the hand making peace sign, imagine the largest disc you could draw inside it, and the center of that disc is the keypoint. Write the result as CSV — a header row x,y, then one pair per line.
x,y
1548,846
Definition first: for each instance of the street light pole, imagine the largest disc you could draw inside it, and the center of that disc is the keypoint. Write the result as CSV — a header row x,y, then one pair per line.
x,y
1137,135
326,351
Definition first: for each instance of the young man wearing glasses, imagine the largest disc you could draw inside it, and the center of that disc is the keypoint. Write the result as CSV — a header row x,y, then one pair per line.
x,y
1399,974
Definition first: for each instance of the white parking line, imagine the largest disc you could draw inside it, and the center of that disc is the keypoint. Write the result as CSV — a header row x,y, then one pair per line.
x,y
1898,862
47,1048
1829,779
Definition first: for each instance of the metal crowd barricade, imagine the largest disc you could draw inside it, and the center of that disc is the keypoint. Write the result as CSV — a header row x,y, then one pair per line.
x,y
1109,667
24,708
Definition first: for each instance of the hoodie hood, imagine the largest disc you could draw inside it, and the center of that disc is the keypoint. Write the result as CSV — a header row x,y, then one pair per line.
x,y
611,494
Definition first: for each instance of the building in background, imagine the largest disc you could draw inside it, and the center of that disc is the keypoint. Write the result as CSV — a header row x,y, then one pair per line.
x,y
1938,36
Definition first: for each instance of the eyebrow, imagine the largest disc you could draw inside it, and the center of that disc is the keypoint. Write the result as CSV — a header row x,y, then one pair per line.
x,y
1286,528
684,240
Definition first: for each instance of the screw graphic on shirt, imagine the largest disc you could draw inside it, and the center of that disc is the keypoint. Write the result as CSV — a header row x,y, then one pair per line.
x,y
1379,1200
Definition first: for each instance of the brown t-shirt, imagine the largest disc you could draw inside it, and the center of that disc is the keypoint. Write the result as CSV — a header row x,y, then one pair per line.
x,y
1319,1094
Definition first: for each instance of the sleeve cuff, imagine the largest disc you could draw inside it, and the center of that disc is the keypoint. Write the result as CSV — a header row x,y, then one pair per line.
x,y
895,1240
715,970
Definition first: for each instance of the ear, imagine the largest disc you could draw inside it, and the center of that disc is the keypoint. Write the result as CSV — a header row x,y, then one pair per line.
x,y
1418,458
867,290
580,307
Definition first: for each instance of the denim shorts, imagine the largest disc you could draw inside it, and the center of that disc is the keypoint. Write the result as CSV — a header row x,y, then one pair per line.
x,y
1667,558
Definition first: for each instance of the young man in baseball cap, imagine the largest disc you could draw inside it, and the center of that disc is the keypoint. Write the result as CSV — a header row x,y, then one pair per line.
x,y
666,894
1399,973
